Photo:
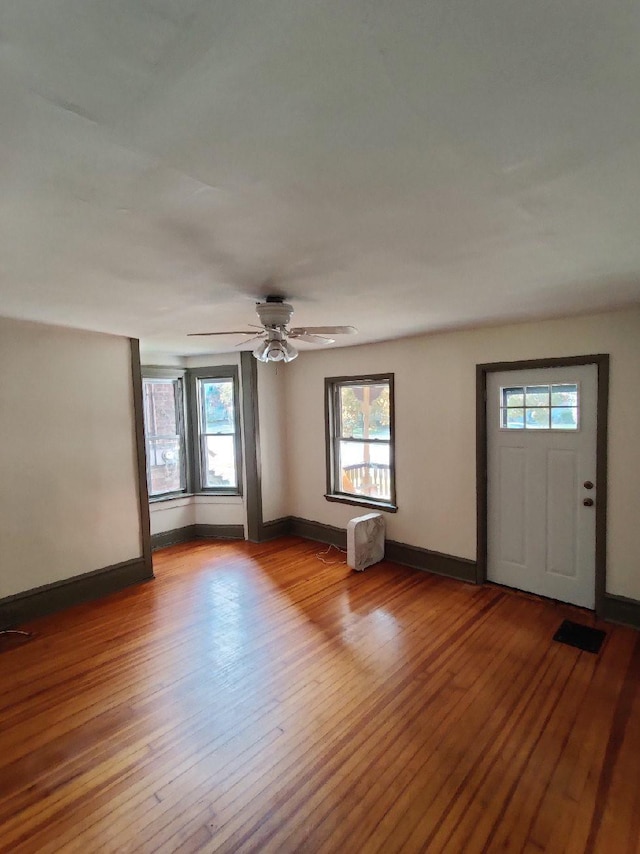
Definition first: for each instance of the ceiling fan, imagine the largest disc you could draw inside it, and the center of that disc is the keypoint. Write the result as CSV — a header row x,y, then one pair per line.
x,y
274,346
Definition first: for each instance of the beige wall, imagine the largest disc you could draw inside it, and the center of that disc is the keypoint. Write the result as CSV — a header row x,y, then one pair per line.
x,y
172,514
69,490
435,429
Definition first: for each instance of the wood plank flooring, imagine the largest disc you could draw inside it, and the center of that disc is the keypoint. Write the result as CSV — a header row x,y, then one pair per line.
x,y
256,699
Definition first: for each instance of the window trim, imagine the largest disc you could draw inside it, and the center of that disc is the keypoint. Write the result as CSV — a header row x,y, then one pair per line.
x,y
332,436
172,375
218,372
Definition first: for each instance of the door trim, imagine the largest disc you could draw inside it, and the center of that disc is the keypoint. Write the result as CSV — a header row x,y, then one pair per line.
x,y
601,361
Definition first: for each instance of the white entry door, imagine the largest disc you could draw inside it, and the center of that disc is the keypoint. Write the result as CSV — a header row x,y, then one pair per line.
x,y
541,435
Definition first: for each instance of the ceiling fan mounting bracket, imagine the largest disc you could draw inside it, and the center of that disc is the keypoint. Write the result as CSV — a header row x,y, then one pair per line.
x,y
274,313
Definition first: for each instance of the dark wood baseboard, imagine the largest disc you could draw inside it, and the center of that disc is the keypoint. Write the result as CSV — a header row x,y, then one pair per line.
x,y
276,528
196,532
417,558
219,532
620,609
173,537
441,564
318,531
268,531
72,591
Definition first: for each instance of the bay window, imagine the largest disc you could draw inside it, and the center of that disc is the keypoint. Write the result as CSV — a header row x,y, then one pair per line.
x,y
192,431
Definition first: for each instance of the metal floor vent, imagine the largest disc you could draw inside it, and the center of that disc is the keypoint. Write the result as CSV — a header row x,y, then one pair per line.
x,y
582,637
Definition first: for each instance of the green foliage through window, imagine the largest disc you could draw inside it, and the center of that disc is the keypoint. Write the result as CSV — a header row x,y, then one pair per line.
x,y
360,438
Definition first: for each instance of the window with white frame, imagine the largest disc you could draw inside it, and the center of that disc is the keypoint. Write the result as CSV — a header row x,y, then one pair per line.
x,y
360,437
164,435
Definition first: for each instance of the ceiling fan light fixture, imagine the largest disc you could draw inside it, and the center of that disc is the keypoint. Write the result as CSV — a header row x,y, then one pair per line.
x,y
260,351
290,352
275,350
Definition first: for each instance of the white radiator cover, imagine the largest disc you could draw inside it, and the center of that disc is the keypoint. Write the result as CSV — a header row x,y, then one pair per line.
x,y
365,541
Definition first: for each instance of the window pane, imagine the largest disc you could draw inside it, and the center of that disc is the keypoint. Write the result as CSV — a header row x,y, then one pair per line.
x,y
220,461
540,407
364,411
513,396
217,404
513,419
165,465
537,419
537,395
163,433
564,395
364,469
565,418
160,410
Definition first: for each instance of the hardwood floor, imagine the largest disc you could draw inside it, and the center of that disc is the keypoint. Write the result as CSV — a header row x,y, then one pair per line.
x,y
254,698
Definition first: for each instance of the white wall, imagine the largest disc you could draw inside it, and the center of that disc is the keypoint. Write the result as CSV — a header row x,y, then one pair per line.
x,y
167,515
68,491
171,514
272,417
435,429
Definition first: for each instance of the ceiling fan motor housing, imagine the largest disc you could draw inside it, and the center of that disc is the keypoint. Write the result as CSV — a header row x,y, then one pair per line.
x,y
274,313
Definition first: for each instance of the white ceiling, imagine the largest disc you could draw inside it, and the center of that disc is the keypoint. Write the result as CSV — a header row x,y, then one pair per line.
x,y
403,166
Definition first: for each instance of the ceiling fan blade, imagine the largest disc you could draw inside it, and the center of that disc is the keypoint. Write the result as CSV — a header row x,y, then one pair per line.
x,y
323,330
249,340
235,332
312,339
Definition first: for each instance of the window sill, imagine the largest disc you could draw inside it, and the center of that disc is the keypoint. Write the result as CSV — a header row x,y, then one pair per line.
x,y
363,502
176,496
168,496
213,494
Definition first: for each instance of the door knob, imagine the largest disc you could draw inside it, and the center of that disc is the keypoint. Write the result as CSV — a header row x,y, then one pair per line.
x,y
587,484
588,502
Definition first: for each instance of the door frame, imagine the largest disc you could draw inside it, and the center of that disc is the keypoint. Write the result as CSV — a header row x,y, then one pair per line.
x,y
601,360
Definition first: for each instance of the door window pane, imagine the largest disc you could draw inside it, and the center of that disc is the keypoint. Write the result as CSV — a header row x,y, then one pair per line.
x,y
537,395
537,419
513,396
565,418
564,395
546,407
513,418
